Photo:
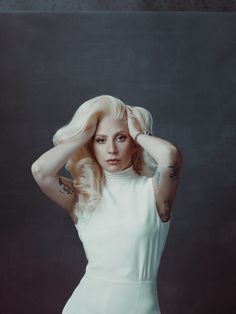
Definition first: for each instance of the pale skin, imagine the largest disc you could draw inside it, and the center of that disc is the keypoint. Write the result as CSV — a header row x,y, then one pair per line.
x,y
111,139
169,158
45,170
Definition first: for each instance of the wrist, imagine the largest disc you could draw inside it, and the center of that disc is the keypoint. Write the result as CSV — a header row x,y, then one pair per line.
x,y
142,132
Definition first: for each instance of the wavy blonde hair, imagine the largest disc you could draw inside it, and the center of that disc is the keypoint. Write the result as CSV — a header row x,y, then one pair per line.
x,y
87,174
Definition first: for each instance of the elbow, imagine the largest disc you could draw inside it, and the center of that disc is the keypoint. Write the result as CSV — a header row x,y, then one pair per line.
x,y
35,169
37,172
176,152
176,155
43,179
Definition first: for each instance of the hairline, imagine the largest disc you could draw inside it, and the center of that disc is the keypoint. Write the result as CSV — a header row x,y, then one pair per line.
x,y
121,131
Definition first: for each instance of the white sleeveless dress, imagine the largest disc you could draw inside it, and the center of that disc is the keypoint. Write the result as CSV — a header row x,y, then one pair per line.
x,y
123,240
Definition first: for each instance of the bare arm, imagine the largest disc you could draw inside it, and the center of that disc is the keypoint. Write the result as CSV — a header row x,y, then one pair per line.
x,y
45,172
166,178
165,182
169,159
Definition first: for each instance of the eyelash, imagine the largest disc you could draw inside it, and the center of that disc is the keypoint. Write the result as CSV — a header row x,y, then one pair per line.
x,y
100,139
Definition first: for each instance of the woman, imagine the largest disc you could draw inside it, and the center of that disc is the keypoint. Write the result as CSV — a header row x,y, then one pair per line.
x,y
124,181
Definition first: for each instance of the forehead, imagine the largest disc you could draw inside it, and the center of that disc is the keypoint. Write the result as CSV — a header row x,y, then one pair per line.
x,y
109,126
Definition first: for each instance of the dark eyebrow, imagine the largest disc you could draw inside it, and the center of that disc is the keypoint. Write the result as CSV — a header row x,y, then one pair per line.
x,y
121,131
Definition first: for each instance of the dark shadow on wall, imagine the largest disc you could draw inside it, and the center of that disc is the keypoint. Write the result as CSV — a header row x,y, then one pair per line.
x,y
180,66
121,5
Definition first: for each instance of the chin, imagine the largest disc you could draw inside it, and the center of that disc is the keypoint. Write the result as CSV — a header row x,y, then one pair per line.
x,y
113,168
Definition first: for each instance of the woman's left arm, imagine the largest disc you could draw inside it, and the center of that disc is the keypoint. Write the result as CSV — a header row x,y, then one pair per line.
x,y
166,178
169,159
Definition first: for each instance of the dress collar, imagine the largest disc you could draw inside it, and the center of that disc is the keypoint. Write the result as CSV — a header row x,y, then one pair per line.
x,y
120,176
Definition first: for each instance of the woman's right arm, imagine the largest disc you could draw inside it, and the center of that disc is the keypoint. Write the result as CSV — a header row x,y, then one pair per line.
x,y
45,172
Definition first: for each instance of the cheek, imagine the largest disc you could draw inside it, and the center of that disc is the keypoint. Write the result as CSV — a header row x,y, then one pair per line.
x,y
98,151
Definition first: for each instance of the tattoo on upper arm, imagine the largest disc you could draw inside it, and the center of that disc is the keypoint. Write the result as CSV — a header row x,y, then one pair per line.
x,y
174,175
65,187
174,172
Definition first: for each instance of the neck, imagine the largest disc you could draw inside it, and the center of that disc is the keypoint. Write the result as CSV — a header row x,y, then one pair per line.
x,y
121,175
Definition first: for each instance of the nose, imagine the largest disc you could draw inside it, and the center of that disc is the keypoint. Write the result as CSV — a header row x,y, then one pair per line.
x,y
112,147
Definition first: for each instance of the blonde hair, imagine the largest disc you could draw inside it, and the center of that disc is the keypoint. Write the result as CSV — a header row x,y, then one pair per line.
x,y
87,174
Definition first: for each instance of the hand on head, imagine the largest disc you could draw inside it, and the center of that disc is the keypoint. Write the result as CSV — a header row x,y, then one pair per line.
x,y
91,126
133,123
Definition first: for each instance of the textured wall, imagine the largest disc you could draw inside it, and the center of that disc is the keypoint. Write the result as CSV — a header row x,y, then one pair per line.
x,y
156,5
181,66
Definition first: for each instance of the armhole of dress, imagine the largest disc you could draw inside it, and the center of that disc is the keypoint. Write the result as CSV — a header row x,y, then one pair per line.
x,y
154,204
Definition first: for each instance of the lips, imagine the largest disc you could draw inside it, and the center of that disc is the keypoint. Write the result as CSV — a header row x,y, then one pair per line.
x,y
113,160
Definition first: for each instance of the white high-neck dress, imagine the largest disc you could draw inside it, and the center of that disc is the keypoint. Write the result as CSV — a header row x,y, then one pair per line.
x,y
123,240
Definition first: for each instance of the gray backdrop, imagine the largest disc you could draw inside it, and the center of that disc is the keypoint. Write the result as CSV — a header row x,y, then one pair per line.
x,y
157,5
180,66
